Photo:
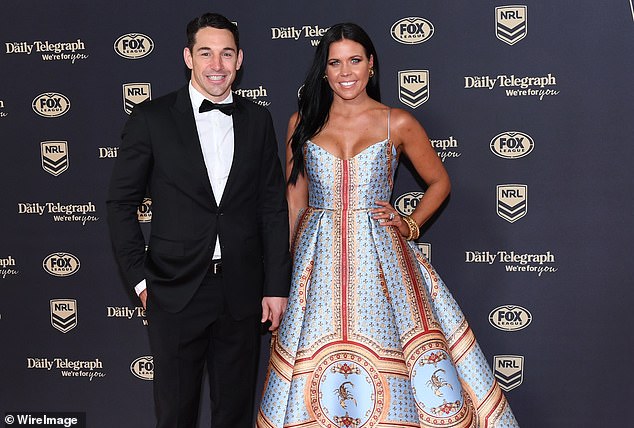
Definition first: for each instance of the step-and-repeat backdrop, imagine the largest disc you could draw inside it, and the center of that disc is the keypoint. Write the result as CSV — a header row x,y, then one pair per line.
x,y
529,105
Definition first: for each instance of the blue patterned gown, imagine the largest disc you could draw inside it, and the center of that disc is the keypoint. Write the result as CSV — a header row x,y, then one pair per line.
x,y
371,336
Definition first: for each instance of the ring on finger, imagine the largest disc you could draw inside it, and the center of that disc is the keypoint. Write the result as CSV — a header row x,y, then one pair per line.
x,y
391,216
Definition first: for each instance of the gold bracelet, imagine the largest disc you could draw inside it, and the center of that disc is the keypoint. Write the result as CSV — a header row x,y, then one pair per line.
x,y
414,231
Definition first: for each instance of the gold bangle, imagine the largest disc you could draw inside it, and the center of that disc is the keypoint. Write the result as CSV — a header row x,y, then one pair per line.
x,y
414,231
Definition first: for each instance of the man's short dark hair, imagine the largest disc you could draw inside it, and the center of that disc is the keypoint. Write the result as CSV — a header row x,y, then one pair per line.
x,y
214,20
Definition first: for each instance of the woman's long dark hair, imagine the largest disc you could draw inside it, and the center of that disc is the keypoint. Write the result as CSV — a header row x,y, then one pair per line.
x,y
316,96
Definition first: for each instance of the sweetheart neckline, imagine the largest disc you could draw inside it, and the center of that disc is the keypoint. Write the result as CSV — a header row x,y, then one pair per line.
x,y
352,157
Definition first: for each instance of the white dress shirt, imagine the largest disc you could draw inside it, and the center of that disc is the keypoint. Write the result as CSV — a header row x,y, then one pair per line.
x,y
215,132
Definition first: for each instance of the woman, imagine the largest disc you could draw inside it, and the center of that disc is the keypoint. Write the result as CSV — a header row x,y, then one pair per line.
x,y
371,336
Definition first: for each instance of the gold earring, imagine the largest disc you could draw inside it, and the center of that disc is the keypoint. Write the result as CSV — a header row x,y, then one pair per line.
x,y
325,77
371,72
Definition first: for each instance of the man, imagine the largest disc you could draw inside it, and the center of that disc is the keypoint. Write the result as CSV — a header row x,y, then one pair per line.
x,y
219,234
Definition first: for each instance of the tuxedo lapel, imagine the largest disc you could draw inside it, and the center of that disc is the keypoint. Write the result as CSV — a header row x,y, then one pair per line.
x,y
184,118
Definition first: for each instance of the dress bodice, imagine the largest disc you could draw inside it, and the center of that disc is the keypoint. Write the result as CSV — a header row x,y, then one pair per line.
x,y
353,184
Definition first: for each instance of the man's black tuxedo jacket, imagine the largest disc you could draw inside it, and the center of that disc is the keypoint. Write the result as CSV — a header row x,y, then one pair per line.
x,y
160,154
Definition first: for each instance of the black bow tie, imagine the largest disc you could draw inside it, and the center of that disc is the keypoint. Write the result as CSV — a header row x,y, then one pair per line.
x,y
225,108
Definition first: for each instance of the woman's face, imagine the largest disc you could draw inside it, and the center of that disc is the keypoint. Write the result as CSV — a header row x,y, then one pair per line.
x,y
348,69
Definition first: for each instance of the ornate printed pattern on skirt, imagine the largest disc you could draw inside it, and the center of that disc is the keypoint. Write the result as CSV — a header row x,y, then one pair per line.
x,y
371,337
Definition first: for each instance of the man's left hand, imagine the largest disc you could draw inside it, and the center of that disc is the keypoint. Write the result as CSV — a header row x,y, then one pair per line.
x,y
272,310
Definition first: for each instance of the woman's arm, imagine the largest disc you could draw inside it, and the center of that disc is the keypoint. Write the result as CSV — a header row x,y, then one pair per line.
x,y
297,193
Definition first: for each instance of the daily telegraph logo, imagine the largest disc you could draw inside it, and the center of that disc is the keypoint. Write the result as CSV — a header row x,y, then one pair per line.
x,y
126,312
108,152
412,30
61,264
59,212
313,32
510,318
407,202
515,86
511,23
143,367
54,156
446,148
515,261
64,314
133,46
135,93
89,369
144,211
50,51
51,104
508,370
512,201
8,267
254,95
512,144
413,87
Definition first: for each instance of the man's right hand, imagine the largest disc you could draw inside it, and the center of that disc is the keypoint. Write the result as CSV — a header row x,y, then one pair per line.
x,y
143,297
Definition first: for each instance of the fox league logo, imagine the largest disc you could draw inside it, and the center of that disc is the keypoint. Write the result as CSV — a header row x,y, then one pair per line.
x,y
510,23
54,156
512,145
512,201
64,314
135,93
413,87
407,202
508,371
510,318
51,104
143,367
61,264
144,211
412,30
133,46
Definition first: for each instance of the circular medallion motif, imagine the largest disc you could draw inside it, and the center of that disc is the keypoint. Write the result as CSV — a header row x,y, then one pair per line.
x,y
438,391
346,391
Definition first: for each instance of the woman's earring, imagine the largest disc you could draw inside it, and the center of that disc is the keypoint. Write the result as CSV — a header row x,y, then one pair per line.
x,y
325,77
371,72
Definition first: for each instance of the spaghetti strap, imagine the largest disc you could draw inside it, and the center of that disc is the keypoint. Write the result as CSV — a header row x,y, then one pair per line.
x,y
388,123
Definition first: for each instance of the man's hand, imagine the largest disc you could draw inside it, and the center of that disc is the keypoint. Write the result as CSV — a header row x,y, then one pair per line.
x,y
143,297
272,310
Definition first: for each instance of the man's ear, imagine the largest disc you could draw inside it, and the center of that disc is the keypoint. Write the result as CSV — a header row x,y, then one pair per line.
x,y
240,58
187,56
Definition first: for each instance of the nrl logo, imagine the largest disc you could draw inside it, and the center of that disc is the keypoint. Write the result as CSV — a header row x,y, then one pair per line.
x,y
512,201
64,314
425,248
54,156
510,23
508,370
135,93
413,87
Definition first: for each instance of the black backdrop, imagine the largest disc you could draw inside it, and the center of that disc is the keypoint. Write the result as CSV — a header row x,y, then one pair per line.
x,y
534,242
